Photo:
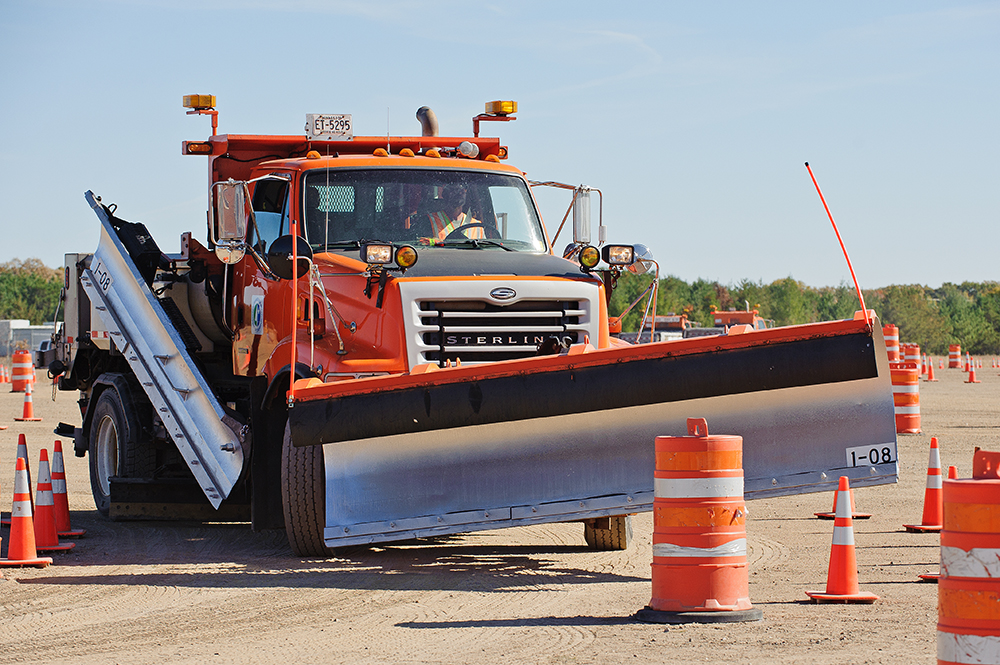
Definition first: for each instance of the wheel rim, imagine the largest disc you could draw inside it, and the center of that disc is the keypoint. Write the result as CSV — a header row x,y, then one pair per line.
x,y
106,454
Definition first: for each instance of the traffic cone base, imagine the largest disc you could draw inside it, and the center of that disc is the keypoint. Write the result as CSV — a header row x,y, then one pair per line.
x,y
842,576
833,513
922,528
75,533
37,562
649,615
859,597
972,376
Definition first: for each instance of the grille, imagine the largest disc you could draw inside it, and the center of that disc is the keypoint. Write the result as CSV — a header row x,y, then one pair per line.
x,y
477,332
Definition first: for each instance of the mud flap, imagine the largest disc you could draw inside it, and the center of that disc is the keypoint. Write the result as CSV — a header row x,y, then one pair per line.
x,y
559,439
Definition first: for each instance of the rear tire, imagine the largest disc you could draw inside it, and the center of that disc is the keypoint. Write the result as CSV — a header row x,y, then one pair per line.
x,y
115,448
303,493
616,537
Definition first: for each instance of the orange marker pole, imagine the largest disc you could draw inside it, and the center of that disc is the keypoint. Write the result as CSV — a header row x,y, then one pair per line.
x,y
861,298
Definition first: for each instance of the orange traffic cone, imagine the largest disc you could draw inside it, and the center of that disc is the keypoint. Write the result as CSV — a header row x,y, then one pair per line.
x,y
930,373
29,410
933,577
60,500
972,376
933,518
46,538
941,364
842,577
3,374
21,549
833,513
22,453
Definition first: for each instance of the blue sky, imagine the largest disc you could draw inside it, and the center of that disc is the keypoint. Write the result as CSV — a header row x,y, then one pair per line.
x,y
694,119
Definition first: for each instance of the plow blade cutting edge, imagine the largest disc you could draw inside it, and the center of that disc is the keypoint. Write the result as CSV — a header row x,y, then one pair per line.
x,y
570,437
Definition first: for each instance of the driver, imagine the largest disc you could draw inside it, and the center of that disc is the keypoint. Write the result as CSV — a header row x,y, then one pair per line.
x,y
454,215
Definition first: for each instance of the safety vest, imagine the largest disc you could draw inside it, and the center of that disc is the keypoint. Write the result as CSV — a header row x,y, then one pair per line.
x,y
442,225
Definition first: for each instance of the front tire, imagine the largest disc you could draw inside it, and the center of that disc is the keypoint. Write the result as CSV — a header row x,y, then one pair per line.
x,y
303,493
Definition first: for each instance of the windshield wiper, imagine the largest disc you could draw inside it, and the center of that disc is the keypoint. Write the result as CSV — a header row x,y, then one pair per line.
x,y
476,243
343,244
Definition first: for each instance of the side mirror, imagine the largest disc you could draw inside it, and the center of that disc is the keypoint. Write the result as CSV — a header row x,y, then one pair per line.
x,y
279,256
643,260
230,210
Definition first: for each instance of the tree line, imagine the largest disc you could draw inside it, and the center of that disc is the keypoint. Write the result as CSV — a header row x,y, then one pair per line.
x,y
29,290
966,313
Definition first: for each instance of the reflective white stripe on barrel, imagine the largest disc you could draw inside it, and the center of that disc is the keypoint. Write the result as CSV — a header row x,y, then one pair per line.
x,y
956,648
981,562
736,547
21,365
843,535
907,410
909,388
21,509
683,488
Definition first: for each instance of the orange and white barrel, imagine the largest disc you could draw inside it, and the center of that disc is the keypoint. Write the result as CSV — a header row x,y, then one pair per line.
x,y
911,354
906,396
954,355
968,629
699,529
891,334
23,371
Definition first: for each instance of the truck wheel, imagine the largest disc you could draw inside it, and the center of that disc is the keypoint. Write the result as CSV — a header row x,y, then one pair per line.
x,y
303,492
115,450
616,537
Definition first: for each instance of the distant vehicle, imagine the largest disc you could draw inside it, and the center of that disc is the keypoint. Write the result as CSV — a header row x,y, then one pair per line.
x,y
45,353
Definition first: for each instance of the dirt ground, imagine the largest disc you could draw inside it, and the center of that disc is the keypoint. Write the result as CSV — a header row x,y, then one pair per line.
x,y
154,592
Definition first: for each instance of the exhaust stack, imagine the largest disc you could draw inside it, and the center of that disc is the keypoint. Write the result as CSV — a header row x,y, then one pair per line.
x,y
428,121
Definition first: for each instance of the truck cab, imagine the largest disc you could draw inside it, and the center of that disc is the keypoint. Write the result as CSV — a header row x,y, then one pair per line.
x,y
414,259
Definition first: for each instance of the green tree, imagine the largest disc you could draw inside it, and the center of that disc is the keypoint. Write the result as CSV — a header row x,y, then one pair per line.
x,y
29,290
786,303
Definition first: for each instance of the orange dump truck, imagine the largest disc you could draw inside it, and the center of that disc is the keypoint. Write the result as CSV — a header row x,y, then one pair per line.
x,y
377,342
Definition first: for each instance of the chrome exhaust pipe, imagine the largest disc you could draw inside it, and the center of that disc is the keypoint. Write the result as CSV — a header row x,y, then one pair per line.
x,y
428,121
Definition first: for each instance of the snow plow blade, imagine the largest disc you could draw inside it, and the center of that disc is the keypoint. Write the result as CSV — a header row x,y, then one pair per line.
x,y
570,437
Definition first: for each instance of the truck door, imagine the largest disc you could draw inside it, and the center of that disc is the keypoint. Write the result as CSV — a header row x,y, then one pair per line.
x,y
255,337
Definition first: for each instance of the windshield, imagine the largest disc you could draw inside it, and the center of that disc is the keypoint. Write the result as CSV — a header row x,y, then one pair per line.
x,y
420,206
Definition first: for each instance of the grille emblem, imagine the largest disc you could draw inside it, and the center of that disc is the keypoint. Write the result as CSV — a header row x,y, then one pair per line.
x,y
503,293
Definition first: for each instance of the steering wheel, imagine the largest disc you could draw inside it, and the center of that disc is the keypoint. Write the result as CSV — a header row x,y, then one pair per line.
x,y
489,231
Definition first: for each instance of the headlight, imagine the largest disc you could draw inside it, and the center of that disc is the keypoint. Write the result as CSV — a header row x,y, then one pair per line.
x,y
618,255
589,257
376,253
